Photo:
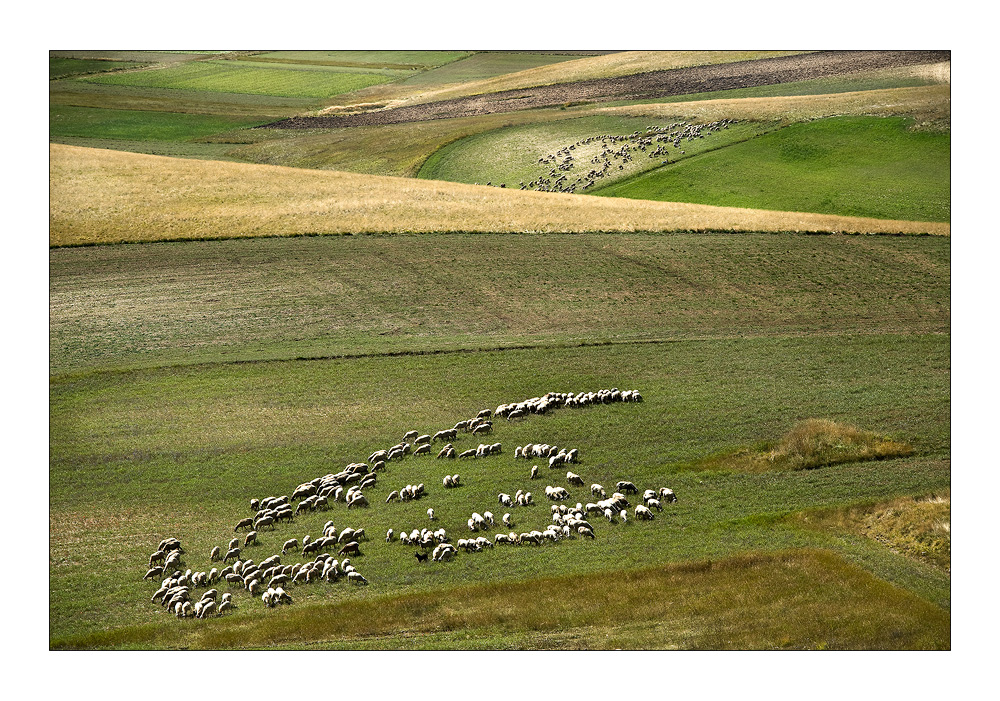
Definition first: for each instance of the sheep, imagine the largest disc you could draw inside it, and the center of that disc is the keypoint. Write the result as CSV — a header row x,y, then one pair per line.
x,y
626,487
290,544
388,535
357,500
410,435
244,523
574,479
534,472
278,579
266,521
216,554
641,512
584,531
598,490
251,538
233,553
430,514
356,577
153,572
393,495
489,517
667,495
158,556
507,520
654,504
423,449
352,548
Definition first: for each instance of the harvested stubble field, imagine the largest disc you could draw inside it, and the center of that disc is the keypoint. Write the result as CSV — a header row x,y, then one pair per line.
x,y
796,387
324,296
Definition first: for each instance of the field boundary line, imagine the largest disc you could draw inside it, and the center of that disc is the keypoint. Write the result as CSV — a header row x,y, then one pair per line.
x,y
560,345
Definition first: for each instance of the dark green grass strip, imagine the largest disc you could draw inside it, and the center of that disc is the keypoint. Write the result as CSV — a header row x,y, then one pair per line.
x,y
798,600
142,125
65,67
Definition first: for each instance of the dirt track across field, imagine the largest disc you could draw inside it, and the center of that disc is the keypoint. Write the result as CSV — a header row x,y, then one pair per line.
x,y
641,86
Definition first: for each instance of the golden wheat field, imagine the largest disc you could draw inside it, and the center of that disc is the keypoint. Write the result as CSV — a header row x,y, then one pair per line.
x,y
103,196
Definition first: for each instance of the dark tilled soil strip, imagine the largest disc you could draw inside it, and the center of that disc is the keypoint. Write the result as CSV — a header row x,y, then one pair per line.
x,y
641,86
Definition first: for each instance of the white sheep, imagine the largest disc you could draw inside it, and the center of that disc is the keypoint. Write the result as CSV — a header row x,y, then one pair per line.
x,y
430,514
507,520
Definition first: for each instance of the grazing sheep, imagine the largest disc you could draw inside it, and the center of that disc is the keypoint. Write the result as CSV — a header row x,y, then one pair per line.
x,y
393,495
641,512
430,514
251,538
584,531
626,487
291,544
598,490
244,523
356,577
574,479
352,548
266,521
507,520
667,495
233,553
654,504
534,472
216,554
158,556
153,572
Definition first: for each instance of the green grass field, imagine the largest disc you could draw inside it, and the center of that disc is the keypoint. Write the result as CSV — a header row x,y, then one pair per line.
x,y
873,167
422,60
186,448
486,64
254,79
138,125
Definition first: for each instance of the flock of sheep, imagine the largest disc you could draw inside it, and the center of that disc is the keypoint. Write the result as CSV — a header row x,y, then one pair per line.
x,y
614,154
267,579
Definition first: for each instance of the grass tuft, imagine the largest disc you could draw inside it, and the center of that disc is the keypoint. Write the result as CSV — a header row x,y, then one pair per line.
x,y
809,444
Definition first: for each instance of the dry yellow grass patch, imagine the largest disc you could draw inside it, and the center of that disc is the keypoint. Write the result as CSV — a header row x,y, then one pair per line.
x,y
929,102
811,443
918,527
587,68
102,196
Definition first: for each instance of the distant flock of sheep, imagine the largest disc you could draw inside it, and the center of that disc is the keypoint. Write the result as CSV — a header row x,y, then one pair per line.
x,y
615,150
268,578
